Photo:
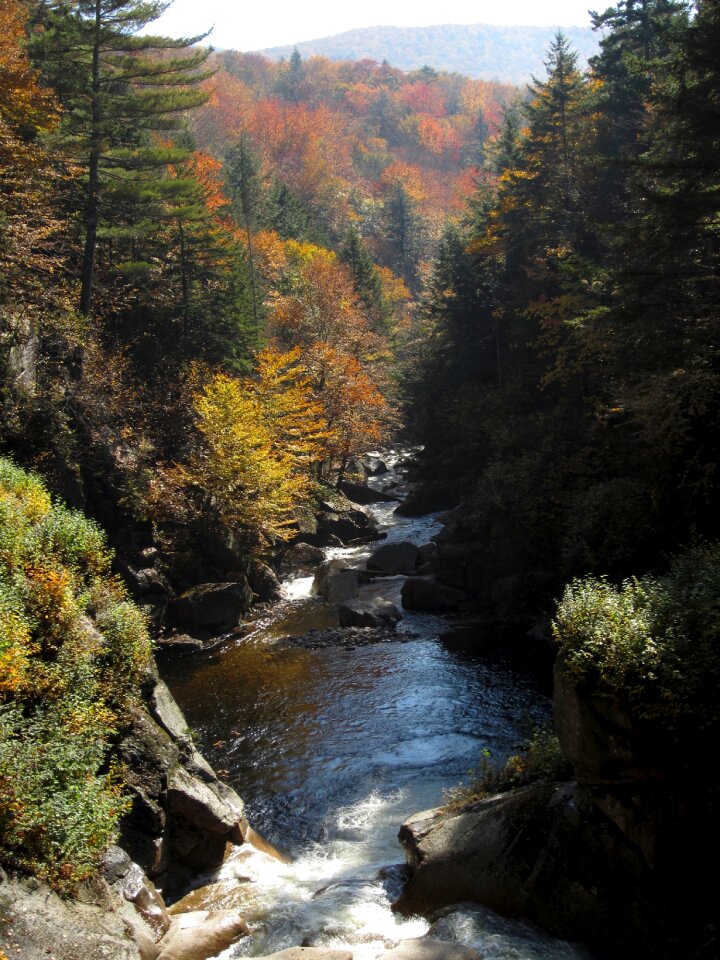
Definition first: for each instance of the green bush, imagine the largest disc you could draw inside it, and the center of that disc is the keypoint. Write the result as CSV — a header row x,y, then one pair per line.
x,y
651,643
72,650
540,759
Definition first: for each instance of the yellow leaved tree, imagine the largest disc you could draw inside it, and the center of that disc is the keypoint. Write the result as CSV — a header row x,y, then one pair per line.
x,y
260,437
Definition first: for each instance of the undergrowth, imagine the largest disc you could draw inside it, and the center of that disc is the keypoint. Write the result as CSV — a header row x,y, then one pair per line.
x,y
72,651
540,759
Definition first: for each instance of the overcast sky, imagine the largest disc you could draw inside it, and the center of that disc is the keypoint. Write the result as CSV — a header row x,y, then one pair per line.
x,y
269,23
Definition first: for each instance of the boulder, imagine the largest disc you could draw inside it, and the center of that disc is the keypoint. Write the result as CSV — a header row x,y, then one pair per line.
x,y
362,494
302,556
429,949
430,596
336,582
212,606
349,526
42,924
536,852
202,934
374,466
263,581
393,558
368,613
179,643
166,712
211,807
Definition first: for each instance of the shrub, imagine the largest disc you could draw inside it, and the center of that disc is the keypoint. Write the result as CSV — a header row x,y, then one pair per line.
x,y
651,643
72,650
540,759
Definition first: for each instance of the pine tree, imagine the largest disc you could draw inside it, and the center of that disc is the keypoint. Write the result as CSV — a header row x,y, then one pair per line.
x,y
120,90
367,281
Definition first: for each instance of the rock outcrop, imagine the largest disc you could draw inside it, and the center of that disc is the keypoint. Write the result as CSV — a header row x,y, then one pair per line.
x,y
606,858
392,558
419,593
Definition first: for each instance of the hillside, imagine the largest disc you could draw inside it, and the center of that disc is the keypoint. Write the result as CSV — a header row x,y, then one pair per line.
x,y
506,54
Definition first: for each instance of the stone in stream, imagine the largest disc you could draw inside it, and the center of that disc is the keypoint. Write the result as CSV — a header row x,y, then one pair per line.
x,y
368,613
430,596
336,582
211,605
362,494
201,934
393,558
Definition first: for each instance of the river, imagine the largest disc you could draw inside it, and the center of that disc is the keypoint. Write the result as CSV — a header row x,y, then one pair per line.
x,y
332,748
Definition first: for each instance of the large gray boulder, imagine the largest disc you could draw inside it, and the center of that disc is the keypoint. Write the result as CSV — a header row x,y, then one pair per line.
x,y
430,596
211,606
36,924
536,852
377,612
393,558
336,582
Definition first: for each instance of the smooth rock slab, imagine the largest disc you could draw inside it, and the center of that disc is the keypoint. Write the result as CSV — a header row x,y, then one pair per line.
x,y
201,934
429,949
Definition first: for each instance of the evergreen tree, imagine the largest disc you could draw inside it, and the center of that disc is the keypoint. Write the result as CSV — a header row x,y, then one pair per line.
x,y
405,228
367,280
119,90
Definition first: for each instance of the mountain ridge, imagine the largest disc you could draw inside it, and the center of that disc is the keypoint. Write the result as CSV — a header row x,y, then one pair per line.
x,y
511,54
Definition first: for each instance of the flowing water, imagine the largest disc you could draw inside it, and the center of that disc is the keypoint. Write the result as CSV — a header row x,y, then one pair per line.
x,y
332,748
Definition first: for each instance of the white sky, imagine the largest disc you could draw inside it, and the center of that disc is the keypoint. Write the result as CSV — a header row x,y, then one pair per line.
x,y
271,23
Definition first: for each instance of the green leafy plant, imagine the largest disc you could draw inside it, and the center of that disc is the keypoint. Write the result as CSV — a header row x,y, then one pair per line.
x,y
73,648
540,759
651,643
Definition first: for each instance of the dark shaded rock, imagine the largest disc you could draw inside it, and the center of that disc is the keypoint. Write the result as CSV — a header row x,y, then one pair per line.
x,y
336,582
604,743
179,643
429,596
350,526
394,558
359,493
368,613
301,556
263,581
419,502
531,853
214,606
427,553
148,755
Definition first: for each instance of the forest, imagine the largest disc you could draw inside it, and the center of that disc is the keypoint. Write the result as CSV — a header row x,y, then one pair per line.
x,y
225,279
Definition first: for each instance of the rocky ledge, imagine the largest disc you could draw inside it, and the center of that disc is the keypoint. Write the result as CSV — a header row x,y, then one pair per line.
x,y
183,821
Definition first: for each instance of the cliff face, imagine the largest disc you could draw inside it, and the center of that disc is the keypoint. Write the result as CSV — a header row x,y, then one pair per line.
x,y
608,858
183,821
